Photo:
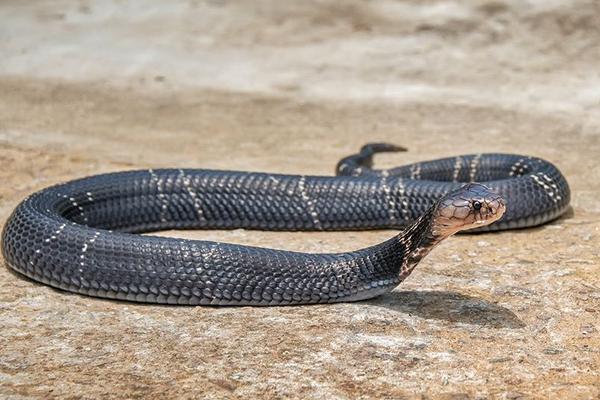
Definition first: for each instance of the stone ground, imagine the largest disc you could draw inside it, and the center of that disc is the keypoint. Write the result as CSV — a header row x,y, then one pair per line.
x,y
90,87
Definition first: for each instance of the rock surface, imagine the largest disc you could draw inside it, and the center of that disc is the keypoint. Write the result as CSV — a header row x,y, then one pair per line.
x,y
92,87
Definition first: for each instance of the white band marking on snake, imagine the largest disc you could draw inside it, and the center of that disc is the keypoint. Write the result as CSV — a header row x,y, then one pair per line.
x,y
389,199
457,168
310,205
549,186
357,172
79,207
415,171
51,238
164,200
473,167
56,233
187,184
517,168
403,199
84,248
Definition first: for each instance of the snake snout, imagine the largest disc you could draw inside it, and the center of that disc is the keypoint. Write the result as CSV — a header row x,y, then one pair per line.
x,y
495,207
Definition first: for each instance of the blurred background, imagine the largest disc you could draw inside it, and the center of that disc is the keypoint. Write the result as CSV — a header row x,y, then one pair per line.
x,y
292,86
277,85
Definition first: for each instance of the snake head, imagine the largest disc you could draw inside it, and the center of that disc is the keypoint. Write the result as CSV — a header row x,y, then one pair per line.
x,y
472,206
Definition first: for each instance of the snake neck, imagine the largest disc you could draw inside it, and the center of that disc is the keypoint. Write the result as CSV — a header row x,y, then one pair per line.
x,y
418,240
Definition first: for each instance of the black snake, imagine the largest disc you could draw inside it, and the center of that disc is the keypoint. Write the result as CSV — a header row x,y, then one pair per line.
x,y
82,236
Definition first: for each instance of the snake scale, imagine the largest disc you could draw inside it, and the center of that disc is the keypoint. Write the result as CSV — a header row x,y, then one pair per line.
x,y
83,235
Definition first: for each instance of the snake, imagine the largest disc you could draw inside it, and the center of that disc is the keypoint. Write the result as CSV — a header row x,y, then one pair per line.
x,y
86,235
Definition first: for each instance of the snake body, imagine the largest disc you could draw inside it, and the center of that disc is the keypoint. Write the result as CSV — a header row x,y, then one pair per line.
x,y
83,235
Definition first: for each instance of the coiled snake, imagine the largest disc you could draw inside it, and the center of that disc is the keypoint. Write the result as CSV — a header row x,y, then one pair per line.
x,y
82,236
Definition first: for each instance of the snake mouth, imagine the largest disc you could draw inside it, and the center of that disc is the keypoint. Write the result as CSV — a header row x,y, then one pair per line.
x,y
472,206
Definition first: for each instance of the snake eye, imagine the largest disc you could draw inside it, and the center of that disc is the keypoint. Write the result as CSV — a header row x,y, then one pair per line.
x,y
476,205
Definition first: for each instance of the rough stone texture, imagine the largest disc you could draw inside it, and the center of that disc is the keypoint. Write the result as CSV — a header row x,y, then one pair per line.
x,y
291,87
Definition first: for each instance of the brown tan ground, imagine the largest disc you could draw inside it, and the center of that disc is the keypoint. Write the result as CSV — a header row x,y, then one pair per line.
x,y
508,315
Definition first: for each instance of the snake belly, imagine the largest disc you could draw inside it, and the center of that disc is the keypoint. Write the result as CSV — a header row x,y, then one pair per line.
x,y
83,235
